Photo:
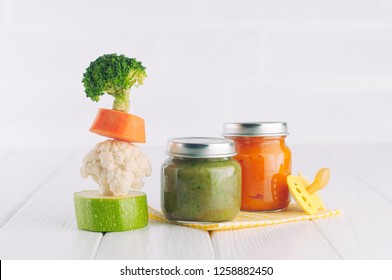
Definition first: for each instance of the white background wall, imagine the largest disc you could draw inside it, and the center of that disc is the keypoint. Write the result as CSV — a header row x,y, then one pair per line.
x,y
325,67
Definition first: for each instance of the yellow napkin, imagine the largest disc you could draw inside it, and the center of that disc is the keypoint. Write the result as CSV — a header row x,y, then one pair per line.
x,y
251,219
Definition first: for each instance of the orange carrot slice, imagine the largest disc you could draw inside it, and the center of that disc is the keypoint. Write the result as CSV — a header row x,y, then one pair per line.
x,y
119,125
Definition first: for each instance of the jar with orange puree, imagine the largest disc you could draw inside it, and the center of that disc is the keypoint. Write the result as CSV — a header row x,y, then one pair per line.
x,y
265,161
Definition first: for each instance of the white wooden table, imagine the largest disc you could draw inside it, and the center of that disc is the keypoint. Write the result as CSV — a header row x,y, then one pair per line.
x,y
37,217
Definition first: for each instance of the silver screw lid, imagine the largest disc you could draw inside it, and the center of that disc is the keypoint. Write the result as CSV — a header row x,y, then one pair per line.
x,y
255,129
200,147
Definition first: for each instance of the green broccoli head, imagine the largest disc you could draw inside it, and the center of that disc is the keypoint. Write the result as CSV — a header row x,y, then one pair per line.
x,y
115,75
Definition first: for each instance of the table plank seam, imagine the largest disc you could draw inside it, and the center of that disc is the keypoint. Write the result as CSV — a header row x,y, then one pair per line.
x,y
96,249
210,233
20,205
327,240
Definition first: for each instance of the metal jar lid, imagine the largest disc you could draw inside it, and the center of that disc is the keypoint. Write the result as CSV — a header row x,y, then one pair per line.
x,y
200,147
255,129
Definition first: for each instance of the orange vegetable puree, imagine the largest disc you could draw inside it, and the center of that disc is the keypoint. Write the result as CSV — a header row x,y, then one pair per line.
x,y
265,162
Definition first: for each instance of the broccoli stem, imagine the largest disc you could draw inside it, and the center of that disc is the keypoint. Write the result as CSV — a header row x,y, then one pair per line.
x,y
121,100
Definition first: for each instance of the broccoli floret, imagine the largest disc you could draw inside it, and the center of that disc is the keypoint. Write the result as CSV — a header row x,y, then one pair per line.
x,y
115,75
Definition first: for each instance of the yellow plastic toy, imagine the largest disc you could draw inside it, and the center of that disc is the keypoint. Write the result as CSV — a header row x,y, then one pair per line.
x,y
305,194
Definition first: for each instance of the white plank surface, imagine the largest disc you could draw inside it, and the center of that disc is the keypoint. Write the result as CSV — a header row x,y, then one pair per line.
x,y
22,173
44,227
158,241
38,219
363,230
299,240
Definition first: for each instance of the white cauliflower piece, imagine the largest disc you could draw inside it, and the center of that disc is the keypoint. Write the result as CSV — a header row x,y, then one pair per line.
x,y
117,166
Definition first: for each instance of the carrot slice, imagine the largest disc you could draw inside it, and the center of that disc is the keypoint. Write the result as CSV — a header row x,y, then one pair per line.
x,y
119,125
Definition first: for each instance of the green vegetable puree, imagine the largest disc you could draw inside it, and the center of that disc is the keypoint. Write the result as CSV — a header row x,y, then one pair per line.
x,y
205,190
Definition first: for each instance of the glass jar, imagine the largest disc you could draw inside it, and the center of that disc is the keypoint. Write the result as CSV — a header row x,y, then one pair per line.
x,y
200,181
265,162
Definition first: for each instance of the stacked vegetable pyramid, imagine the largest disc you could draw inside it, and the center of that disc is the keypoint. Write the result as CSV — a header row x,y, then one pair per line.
x,y
117,165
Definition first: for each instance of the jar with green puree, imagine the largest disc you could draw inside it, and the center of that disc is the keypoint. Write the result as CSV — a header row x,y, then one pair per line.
x,y
200,180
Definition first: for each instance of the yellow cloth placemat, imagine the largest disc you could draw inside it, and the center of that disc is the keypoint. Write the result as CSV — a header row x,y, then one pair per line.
x,y
251,219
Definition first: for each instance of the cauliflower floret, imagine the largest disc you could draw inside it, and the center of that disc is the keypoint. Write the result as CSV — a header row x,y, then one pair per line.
x,y
117,166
